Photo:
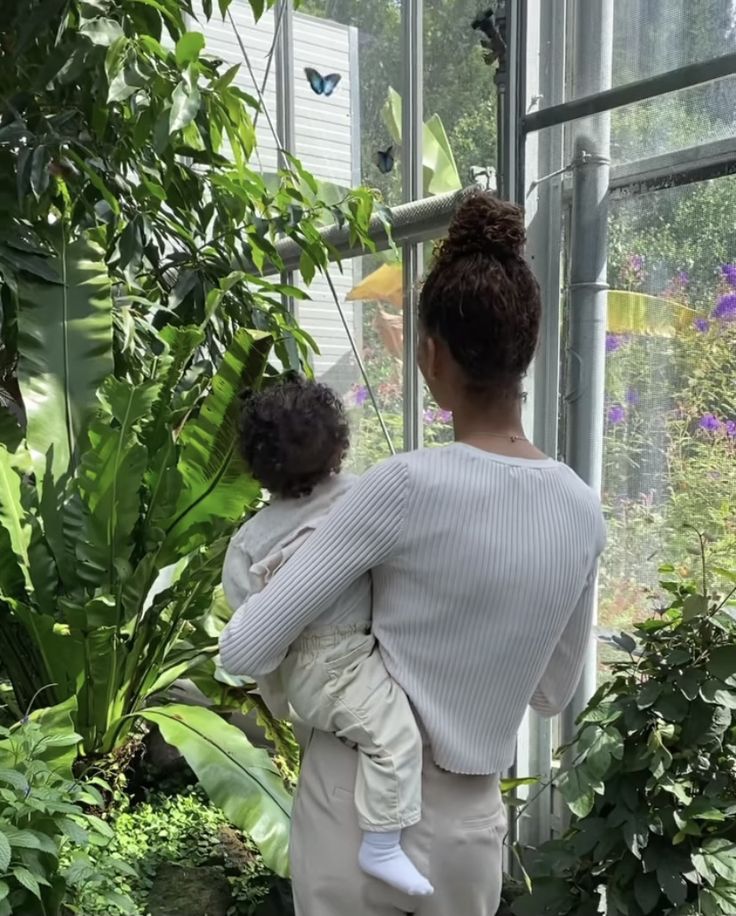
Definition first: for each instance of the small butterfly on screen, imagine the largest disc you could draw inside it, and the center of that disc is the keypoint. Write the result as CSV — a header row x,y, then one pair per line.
x,y
384,160
322,85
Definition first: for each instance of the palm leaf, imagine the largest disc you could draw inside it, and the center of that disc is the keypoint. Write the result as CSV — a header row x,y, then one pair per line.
x,y
239,778
216,487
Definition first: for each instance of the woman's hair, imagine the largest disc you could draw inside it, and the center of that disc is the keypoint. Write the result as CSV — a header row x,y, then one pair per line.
x,y
480,296
293,435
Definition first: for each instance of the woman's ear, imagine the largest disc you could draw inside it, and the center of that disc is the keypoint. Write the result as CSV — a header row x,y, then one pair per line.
x,y
428,358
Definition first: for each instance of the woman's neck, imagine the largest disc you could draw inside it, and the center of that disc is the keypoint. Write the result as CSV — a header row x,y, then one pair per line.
x,y
495,428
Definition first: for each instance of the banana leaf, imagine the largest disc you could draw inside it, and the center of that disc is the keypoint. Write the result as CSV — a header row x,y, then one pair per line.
x,y
440,171
217,488
239,778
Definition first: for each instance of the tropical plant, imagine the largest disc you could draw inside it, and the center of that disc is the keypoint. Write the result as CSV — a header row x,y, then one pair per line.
x,y
651,778
117,130
112,525
46,829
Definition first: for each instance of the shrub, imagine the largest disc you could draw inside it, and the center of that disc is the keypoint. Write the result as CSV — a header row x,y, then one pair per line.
x,y
46,830
652,778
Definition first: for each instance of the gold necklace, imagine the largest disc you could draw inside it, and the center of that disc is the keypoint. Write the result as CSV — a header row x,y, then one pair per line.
x,y
512,437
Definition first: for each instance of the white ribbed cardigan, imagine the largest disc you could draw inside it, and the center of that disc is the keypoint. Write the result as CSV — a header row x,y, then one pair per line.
x,y
484,571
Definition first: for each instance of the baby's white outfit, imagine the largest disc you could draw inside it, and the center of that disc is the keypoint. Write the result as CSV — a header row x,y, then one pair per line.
x,y
333,676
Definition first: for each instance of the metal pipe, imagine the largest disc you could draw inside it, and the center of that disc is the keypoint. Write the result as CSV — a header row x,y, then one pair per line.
x,y
588,288
418,221
412,127
597,101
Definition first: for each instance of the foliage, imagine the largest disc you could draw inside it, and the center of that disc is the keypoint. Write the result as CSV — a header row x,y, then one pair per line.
x,y
111,554
114,121
47,834
651,780
182,830
239,778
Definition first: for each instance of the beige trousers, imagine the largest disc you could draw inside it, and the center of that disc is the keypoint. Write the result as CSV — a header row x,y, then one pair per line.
x,y
336,682
457,844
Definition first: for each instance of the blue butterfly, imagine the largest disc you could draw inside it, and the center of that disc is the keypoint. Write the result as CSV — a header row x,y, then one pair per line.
x,y
322,85
384,160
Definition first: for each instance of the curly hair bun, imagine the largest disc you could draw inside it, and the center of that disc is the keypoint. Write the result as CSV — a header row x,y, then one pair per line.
x,y
485,225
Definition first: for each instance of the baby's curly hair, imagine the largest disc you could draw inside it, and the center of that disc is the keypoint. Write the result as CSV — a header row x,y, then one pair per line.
x,y
293,435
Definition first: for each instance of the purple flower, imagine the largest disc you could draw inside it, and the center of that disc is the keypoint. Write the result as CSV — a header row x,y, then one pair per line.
x,y
731,429
701,325
683,277
616,414
726,308
710,423
729,274
636,262
613,342
430,416
444,416
632,397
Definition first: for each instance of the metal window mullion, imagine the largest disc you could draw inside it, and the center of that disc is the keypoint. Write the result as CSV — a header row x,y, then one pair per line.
x,y
591,103
285,111
545,250
412,111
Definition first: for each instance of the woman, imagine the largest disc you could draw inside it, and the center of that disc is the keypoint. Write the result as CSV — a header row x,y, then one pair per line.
x,y
483,555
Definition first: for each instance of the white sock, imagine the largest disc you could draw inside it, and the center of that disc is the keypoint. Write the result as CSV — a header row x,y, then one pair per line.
x,y
382,857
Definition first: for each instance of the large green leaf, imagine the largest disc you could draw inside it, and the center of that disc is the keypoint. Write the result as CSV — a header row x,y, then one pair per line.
x,y
64,351
109,481
216,486
440,171
239,778
15,532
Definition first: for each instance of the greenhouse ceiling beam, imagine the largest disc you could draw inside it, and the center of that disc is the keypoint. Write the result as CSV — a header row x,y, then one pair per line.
x,y
417,221
696,163
638,91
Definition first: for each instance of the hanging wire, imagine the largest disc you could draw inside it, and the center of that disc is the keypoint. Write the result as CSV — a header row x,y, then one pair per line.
x,y
279,146
360,363
269,57
248,64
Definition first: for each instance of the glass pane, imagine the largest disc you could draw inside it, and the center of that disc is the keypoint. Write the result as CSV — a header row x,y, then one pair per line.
x,y
674,122
670,439
367,296
340,135
653,36
459,98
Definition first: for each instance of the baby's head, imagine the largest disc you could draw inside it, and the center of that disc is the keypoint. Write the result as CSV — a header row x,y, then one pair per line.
x,y
293,435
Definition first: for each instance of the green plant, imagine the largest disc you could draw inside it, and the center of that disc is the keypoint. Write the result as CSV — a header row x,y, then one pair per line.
x,y
114,546
47,833
651,775
184,831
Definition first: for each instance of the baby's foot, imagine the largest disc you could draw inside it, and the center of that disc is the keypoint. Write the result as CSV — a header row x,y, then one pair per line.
x,y
382,857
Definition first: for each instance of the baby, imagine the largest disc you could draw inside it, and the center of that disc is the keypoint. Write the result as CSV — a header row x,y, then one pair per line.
x,y
294,436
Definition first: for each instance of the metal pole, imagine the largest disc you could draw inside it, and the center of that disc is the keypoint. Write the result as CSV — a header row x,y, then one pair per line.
x,y
285,118
586,356
544,250
412,126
